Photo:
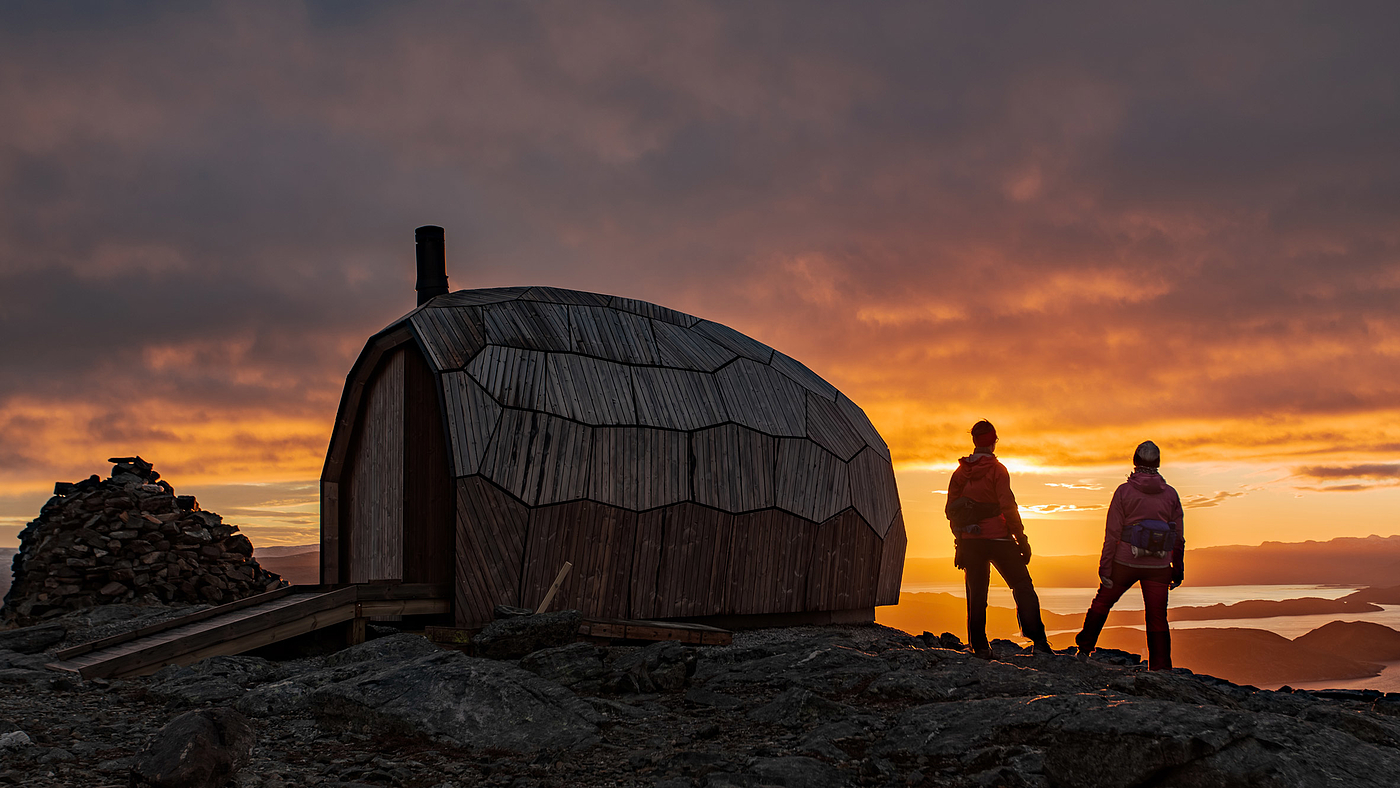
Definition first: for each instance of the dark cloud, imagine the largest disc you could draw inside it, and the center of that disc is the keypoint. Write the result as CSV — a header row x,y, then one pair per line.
x,y
1110,216
1361,471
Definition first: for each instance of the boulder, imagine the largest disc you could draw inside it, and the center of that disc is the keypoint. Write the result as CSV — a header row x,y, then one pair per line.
x,y
577,665
32,640
513,638
467,701
198,749
660,666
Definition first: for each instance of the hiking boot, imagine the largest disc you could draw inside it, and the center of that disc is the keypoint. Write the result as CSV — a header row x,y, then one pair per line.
x,y
985,652
1042,648
1082,654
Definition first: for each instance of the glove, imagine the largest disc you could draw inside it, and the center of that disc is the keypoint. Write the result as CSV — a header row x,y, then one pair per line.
x,y
1025,545
958,554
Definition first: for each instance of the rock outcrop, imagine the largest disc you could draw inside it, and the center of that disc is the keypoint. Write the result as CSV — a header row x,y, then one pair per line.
x,y
802,706
127,538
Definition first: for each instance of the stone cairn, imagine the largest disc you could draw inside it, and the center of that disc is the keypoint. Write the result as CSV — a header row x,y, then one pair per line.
x,y
129,538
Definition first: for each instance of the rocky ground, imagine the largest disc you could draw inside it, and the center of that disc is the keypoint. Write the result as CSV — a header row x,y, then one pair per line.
x,y
808,706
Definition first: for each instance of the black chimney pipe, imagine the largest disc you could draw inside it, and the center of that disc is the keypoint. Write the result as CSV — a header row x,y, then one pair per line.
x,y
432,262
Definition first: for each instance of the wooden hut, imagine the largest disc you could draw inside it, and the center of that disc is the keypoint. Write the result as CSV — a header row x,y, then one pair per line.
x,y
686,470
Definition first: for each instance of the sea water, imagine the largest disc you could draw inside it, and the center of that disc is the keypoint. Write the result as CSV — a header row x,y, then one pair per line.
x,y
1070,601
1074,601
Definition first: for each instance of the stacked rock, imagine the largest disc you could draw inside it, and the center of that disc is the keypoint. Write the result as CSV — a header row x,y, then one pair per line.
x,y
128,539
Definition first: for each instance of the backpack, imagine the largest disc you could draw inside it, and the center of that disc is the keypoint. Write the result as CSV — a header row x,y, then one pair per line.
x,y
966,513
1156,538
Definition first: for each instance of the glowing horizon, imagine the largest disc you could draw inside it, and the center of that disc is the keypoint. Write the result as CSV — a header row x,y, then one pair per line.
x,y
1089,244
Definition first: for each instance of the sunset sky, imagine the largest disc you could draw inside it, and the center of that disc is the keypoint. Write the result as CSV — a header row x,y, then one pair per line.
x,y
1092,223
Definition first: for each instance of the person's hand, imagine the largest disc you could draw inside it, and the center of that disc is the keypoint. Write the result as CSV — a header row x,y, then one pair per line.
x,y
958,554
1105,581
1173,585
1025,545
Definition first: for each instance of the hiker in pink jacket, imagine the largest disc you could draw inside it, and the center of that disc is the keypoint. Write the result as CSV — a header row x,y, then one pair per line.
x,y
1143,543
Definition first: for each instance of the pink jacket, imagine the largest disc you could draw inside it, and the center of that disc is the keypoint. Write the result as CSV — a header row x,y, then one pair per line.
x,y
1144,496
981,477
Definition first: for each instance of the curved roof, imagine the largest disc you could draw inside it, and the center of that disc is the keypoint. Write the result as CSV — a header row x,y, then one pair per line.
x,y
558,395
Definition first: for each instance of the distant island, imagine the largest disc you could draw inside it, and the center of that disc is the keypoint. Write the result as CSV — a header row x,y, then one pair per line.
x,y
1338,650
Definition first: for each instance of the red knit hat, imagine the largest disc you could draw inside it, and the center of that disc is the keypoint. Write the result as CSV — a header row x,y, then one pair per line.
x,y
983,434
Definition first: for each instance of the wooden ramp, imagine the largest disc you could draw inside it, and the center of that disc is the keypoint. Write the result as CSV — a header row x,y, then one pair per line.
x,y
246,624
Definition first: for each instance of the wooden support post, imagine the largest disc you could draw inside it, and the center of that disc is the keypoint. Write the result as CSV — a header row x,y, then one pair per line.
x,y
355,630
554,589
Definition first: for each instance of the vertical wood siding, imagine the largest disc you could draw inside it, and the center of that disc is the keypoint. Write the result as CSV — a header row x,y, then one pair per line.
x,y
374,509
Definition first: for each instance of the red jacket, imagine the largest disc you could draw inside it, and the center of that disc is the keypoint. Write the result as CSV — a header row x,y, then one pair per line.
x,y
981,477
1144,496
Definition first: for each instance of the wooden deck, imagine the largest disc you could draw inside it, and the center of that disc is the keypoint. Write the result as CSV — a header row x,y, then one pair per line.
x,y
245,625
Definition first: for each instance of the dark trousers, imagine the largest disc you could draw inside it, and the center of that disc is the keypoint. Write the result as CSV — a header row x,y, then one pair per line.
x,y
977,557
1155,586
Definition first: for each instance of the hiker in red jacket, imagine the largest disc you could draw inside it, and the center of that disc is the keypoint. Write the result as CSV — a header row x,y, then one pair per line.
x,y
1143,543
987,530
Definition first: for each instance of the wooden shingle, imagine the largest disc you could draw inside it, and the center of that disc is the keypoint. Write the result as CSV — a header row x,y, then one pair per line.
x,y
873,490
734,468
472,416
589,390
758,396
808,481
514,377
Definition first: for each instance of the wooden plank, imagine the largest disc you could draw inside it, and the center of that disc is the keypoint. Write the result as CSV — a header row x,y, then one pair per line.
x,y
491,529
404,607
597,540
554,587
192,618
330,532
537,457
247,642
374,494
846,557
472,416
677,399
873,490
654,311
514,377
218,631
589,390
723,335
684,349
804,377
770,556
758,396
429,489
689,557
811,482
349,409
451,336
827,425
612,335
639,468
529,325
646,563
734,468
558,295
861,423
480,297
892,563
